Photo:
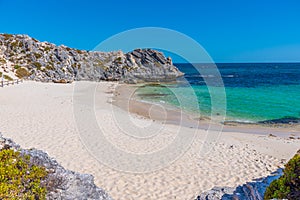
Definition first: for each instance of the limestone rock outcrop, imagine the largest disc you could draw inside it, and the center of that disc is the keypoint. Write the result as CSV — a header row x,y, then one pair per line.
x,y
30,59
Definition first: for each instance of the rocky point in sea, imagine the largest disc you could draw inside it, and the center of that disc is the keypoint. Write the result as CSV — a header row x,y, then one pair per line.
x,y
28,58
60,182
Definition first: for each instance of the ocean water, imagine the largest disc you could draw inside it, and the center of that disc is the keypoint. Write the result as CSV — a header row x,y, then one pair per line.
x,y
254,91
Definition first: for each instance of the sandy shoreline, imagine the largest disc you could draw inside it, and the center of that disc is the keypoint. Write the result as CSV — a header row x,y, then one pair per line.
x,y
172,115
41,115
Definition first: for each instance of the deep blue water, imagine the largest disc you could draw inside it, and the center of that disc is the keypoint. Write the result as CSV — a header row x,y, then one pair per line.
x,y
246,74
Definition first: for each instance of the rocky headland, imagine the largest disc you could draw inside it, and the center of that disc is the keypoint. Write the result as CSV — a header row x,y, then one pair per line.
x,y
27,58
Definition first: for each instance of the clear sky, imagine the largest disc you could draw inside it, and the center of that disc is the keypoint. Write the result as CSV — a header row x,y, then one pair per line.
x,y
230,30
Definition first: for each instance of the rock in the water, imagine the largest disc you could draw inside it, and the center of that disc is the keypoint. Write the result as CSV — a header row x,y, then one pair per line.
x,y
61,184
284,120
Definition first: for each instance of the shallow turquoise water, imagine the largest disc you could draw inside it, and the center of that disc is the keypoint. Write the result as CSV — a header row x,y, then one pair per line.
x,y
262,98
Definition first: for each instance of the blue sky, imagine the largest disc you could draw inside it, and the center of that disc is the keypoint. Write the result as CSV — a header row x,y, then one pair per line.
x,y
230,31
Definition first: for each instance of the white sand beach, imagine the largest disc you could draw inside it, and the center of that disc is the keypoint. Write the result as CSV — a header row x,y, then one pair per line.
x,y
41,115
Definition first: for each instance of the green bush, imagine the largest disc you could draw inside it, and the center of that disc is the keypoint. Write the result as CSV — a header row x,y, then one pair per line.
x,y
7,36
50,67
22,72
18,178
17,66
3,61
288,185
14,44
37,65
8,77
37,55
21,44
79,51
47,49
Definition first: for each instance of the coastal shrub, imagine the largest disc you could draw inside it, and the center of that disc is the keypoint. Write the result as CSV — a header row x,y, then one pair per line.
x,y
7,36
47,49
22,72
21,44
76,65
118,60
38,65
79,51
18,178
17,66
37,55
14,44
288,185
50,67
3,61
8,77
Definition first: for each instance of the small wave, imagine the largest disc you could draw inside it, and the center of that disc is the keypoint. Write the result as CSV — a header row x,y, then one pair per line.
x,y
200,76
148,102
209,76
238,122
153,95
228,76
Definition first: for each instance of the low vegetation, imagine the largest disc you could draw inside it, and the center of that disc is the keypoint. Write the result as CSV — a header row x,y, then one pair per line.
x,y
37,55
50,67
22,73
8,77
18,178
17,66
288,185
37,65
2,61
7,36
47,49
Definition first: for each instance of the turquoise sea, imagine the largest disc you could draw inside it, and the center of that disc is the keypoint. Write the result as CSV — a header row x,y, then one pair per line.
x,y
254,92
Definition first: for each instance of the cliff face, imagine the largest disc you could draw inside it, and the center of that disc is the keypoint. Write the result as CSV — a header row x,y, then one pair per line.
x,y
28,58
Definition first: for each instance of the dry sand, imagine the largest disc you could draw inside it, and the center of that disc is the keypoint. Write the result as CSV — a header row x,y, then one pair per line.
x,y
41,115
